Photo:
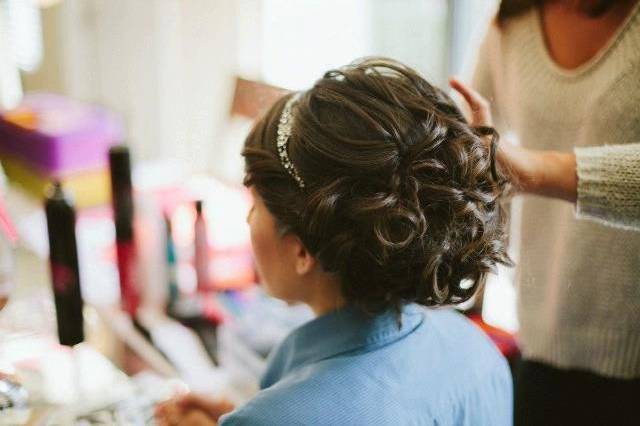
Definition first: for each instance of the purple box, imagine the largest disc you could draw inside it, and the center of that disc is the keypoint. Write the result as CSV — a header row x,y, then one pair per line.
x,y
60,135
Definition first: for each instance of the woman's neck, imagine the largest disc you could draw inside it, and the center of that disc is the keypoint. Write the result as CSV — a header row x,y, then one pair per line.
x,y
324,294
574,37
320,309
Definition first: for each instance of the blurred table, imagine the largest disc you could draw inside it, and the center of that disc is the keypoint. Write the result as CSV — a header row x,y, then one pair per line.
x,y
28,332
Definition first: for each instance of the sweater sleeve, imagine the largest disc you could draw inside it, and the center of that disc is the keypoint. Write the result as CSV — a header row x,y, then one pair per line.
x,y
609,184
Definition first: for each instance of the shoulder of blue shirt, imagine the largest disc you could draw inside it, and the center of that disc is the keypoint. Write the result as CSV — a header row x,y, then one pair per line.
x,y
300,398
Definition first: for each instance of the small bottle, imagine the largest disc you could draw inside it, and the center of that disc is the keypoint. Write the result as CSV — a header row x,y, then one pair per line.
x,y
122,200
201,250
172,274
63,260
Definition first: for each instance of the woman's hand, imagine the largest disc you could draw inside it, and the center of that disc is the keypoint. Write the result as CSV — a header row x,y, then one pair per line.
x,y
547,173
191,410
479,106
514,161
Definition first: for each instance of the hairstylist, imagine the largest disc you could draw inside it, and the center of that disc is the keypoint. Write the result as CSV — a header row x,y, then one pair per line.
x,y
563,76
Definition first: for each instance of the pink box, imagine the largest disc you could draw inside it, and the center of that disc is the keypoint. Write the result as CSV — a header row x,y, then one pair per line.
x,y
59,135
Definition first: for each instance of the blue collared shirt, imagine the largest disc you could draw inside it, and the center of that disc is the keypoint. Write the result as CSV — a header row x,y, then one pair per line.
x,y
345,368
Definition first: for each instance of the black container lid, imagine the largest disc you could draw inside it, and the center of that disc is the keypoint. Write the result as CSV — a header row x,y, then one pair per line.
x,y
120,165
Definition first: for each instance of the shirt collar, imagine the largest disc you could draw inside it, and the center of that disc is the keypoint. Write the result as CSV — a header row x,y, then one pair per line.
x,y
342,331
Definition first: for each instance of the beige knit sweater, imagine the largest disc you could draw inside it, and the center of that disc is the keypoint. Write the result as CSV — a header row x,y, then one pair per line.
x,y
578,280
609,184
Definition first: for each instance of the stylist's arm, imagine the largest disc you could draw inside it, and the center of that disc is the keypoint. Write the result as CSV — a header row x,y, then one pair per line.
x,y
603,181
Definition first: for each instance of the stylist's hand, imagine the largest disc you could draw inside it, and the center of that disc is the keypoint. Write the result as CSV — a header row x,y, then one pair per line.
x,y
479,106
191,410
519,164
547,173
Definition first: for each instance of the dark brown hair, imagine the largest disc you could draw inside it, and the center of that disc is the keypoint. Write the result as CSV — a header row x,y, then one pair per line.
x,y
511,8
399,201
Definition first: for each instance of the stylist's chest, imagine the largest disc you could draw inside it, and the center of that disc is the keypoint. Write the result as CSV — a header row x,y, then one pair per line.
x,y
555,113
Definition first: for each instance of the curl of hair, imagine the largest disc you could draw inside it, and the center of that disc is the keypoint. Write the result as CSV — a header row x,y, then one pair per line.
x,y
402,196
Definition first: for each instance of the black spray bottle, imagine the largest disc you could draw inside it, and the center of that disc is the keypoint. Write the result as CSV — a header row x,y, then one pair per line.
x,y
63,260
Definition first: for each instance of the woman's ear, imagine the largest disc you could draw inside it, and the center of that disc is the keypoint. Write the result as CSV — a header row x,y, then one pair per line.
x,y
304,261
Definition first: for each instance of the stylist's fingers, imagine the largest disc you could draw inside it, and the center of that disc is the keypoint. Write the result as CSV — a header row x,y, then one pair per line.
x,y
168,413
480,109
215,408
197,417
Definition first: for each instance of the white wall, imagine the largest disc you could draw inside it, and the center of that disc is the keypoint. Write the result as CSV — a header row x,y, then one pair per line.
x,y
302,39
470,19
166,66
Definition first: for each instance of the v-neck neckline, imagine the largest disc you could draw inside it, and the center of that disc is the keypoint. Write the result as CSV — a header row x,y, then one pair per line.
x,y
590,64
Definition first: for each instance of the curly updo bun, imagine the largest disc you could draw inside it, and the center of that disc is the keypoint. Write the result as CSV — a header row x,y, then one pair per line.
x,y
399,200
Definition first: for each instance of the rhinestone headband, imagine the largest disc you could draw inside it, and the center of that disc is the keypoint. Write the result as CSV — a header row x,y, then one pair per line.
x,y
284,131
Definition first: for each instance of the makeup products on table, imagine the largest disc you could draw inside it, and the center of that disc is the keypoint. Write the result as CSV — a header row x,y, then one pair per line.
x,y
122,201
63,260
201,256
50,137
172,275
89,188
197,310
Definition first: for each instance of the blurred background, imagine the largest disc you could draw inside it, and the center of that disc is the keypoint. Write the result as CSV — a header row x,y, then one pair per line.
x,y
168,67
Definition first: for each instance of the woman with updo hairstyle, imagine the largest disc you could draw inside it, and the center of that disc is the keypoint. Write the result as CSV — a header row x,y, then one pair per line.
x,y
377,205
